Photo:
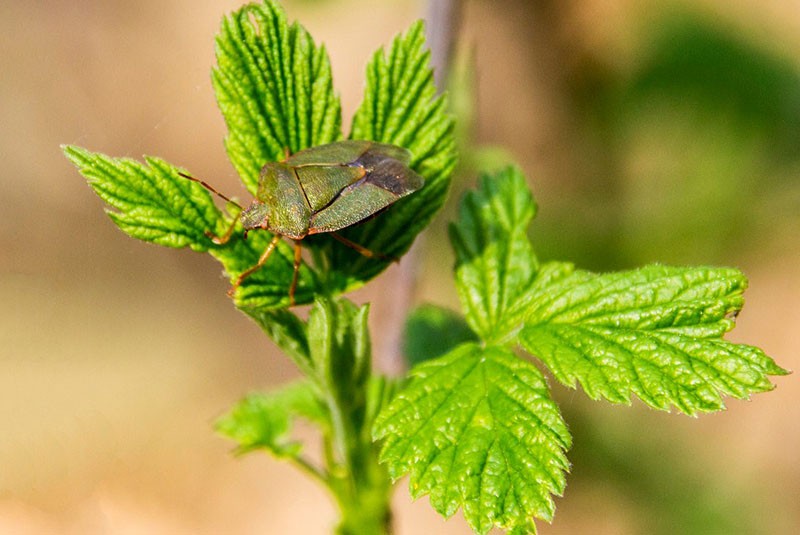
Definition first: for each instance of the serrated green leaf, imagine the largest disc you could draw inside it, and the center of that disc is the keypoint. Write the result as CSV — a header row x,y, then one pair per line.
x,y
431,331
264,420
477,429
654,332
495,263
400,107
151,202
274,88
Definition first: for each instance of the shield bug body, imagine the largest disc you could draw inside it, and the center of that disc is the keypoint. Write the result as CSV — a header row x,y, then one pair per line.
x,y
323,189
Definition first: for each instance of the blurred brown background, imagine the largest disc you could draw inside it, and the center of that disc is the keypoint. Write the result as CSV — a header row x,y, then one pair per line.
x,y
650,130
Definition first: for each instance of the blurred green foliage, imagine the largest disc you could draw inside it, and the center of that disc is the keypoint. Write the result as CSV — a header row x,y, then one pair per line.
x,y
703,66
670,489
692,149
431,331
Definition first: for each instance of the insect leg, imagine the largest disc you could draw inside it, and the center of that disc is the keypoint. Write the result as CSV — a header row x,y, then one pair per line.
x,y
361,249
261,262
219,240
297,259
211,189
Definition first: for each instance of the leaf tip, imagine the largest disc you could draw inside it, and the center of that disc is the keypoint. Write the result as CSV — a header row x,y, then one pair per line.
x,y
75,154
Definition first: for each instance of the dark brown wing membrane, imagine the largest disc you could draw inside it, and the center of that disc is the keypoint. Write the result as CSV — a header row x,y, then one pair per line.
x,y
386,181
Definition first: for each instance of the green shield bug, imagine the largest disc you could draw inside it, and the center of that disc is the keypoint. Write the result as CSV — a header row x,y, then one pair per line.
x,y
323,189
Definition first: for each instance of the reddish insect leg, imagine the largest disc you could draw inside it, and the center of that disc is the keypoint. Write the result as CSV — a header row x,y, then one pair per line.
x,y
361,249
209,188
219,240
297,259
261,262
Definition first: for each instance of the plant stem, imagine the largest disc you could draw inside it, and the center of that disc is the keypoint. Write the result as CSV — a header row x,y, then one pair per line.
x,y
360,485
306,466
366,509
443,20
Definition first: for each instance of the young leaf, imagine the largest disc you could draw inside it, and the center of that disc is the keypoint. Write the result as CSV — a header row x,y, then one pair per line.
x,y
495,263
152,202
655,332
274,88
338,337
400,107
477,429
263,421
432,331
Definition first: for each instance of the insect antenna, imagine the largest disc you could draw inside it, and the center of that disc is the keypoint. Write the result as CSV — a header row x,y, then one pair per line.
x,y
211,189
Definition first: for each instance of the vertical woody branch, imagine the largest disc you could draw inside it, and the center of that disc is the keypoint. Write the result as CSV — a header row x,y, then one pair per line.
x,y
442,22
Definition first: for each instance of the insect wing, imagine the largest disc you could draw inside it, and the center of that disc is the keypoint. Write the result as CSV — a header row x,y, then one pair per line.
x,y
338,153
322,183
379,151
280,189
348,152
386,181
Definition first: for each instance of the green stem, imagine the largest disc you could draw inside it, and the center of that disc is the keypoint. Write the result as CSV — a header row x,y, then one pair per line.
x,y
364,500
333,350
306,466
360,485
